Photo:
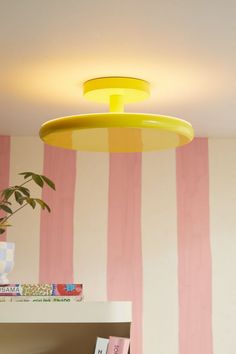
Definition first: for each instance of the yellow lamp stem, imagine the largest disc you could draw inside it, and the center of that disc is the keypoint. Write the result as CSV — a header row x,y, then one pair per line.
x,y
117,131
116,103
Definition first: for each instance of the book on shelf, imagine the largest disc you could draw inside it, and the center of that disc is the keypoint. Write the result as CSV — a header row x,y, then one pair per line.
x,y
41,290
41,299
101,345
118,345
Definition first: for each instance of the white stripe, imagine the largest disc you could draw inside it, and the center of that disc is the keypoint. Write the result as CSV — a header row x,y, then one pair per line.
x,y
26,155
90,224
222,163
159,239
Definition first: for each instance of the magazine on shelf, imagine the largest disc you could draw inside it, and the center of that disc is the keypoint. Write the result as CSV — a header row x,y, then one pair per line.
x,y
101,345
41,289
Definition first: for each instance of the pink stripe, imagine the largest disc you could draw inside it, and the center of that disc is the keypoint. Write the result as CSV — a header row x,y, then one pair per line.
x,y
124,268
5,142
194,268
56,234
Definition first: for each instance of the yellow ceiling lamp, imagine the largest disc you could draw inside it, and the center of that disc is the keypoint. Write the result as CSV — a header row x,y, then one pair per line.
x,y
117,131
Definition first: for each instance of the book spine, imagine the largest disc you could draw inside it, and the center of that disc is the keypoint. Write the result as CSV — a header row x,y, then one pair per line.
x,y
41,299
41,290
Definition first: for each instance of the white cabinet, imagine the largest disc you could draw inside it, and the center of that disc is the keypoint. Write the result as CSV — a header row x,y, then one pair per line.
x,y
56,328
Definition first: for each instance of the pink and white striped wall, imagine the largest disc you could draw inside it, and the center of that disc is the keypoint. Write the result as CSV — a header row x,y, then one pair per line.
x,y
155,228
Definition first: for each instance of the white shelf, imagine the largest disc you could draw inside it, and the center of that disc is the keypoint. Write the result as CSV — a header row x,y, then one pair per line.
x,y
59,328
77,312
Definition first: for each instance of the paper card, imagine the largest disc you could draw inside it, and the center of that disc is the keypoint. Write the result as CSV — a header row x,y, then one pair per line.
x,y
101,345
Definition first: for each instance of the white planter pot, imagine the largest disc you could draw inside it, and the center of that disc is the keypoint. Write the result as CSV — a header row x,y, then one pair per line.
x,y
7,252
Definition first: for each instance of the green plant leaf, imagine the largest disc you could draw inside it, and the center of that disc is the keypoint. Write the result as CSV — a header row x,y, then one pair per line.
x,y
2,220
19,197
26,174
6,208
40,202
43,204
49,182
31,202
24,190
2,231
47,207
38,180
6,193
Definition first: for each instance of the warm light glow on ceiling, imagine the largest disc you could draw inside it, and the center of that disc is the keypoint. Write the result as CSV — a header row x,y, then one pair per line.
x,y
60,82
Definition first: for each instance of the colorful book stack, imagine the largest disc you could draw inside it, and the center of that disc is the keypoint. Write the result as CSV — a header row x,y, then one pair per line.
x,y
113,345
41,292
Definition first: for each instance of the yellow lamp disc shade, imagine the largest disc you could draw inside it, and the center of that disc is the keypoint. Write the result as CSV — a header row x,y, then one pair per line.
x,y
117,131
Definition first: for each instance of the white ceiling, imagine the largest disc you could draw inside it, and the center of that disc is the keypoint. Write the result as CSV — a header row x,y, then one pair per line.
x,y
185,48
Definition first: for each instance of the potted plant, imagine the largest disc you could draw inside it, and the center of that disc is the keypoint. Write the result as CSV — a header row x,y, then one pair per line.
x,y
12,200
